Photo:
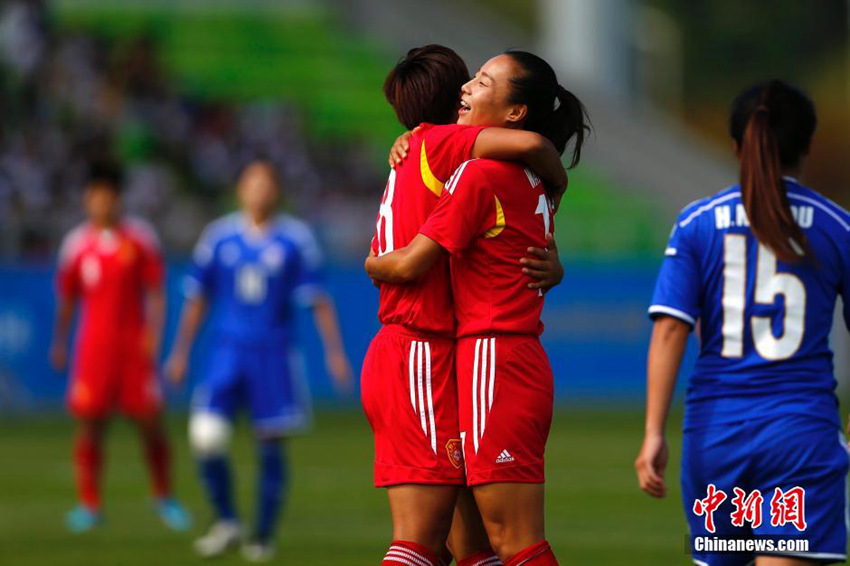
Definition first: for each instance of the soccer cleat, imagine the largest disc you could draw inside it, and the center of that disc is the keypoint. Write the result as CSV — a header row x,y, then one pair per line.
x,y
82,519
172,514
222,536
256,551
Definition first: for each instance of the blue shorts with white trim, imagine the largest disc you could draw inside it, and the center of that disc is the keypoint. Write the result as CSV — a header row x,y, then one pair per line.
x,y
266,377
784,452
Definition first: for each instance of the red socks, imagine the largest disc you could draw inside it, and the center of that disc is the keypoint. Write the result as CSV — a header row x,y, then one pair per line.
x,y
402,553
535,555
158,456
88,460
483,558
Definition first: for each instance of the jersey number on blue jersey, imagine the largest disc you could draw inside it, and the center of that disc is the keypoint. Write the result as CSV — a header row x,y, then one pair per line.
x,y
251,284
768,284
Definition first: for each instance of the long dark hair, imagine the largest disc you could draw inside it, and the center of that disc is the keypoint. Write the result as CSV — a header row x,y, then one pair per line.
x,y
553,111
773,124
425,84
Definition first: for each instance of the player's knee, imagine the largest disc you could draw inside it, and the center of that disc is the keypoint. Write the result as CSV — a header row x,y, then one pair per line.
x,y
209,434
499,541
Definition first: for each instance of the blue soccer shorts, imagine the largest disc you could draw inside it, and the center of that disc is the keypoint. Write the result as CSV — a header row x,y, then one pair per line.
x,y
799,466
266,378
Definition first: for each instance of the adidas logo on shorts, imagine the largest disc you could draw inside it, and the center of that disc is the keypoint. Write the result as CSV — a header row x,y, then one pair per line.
x,y
504,457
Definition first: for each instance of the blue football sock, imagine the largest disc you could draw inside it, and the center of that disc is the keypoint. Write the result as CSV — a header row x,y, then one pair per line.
x,y
272,486
217,478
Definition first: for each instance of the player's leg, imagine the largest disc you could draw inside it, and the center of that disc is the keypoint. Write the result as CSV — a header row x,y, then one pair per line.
x,y
410,398
140,398
513,516
468,540
210,430
280,407
421,513
783,561
505,392
272,489
89,402
157,453
88,464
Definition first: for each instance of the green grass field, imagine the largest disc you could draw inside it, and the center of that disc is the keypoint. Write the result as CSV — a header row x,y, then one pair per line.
x,y
595,513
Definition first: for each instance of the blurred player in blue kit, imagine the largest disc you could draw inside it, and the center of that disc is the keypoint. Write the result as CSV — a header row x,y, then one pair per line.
x,y
757,270
253,267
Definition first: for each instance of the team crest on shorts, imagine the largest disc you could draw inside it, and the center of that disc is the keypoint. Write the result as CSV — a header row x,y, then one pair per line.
x,y
455,452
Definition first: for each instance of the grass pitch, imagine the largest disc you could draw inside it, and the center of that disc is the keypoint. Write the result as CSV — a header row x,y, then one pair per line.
x,y
595,512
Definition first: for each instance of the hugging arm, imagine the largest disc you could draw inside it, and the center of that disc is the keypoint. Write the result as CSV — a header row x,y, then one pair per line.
x,y
529,147
405,264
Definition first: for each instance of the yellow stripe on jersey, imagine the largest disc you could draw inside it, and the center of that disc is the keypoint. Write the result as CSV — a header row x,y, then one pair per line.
x,y
500,221
428,177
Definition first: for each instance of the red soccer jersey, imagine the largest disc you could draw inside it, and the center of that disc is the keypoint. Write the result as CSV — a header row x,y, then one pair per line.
x,y
110,270
489,215
412,192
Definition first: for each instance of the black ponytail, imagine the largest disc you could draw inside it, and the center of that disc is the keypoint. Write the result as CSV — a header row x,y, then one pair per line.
x,y
553,112
773,124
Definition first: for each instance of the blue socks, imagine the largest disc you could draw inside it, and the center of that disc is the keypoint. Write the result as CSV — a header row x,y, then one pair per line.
x,y
215,472
272,484
271,488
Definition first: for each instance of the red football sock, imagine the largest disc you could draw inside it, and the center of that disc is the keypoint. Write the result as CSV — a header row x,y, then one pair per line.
x,y
158,456
88,461
410,554
535,555
483,558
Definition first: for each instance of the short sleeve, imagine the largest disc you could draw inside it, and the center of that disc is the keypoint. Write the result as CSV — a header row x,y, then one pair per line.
x,y
677,290
153,266
466,209
445,148
67,269
154,269
200,279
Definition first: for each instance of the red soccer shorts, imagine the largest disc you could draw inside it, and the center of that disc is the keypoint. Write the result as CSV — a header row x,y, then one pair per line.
x,y
409,394
113,376
505,392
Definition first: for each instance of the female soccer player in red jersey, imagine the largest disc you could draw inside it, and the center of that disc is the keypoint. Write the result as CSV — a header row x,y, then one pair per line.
x,y
489,215
409,390
113,267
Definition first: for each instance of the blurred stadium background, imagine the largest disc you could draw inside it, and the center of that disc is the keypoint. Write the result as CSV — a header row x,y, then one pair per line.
x,y
185,91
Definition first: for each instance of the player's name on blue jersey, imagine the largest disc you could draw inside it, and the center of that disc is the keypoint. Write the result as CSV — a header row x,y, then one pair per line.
x,y
727,215
253,278
763,323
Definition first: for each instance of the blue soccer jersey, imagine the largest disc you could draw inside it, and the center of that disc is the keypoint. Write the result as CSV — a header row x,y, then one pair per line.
x,y
255,279
763,324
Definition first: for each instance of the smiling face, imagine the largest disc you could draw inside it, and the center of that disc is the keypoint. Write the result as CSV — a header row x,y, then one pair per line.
x,y
485,98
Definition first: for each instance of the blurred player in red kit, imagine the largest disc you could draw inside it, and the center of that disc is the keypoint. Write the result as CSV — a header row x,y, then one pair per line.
x,y
112,266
